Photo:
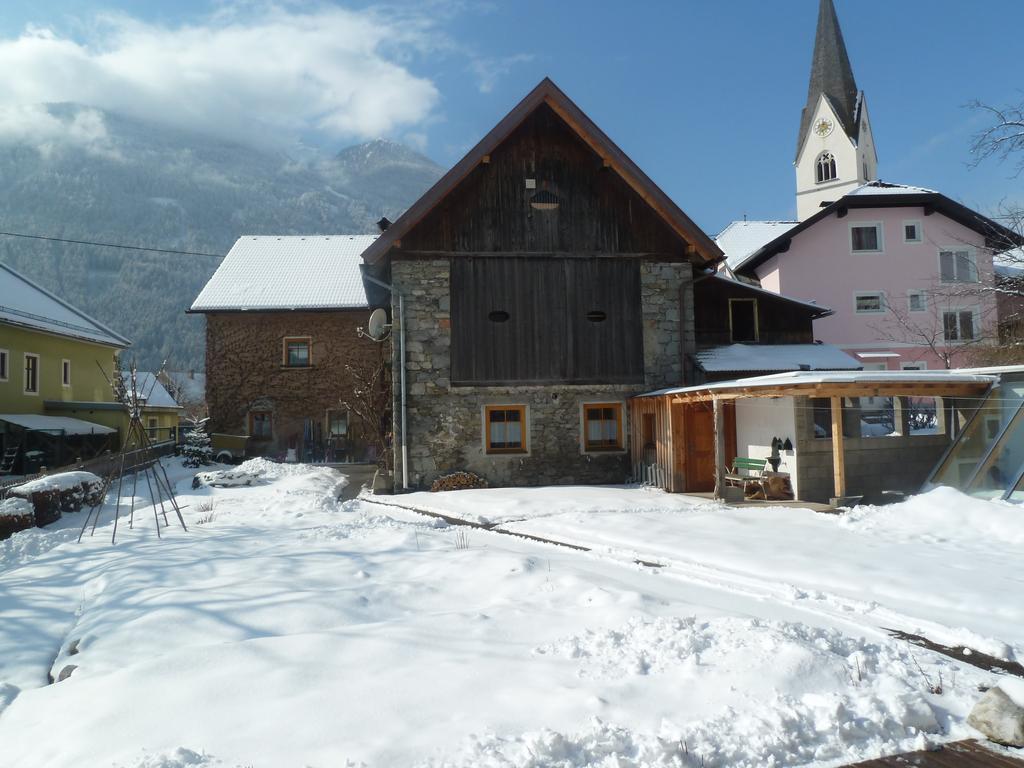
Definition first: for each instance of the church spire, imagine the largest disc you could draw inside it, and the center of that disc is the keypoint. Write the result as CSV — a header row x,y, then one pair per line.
x,y
835,151
831,75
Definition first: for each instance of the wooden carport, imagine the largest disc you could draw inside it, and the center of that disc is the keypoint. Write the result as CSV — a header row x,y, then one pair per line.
x,y
659,410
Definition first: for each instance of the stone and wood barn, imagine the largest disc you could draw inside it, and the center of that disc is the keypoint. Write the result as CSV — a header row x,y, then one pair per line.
x,y
544,280
282,315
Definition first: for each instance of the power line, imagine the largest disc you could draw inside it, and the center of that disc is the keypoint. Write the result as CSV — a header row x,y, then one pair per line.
x,y
113,245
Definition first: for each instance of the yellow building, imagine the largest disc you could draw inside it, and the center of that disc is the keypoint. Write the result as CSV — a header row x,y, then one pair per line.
x,y
56,364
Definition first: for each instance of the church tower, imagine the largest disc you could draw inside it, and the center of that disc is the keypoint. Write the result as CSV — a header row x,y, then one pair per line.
x,y
835,150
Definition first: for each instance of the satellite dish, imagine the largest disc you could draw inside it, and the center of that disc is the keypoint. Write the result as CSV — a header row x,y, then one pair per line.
x,y
377,326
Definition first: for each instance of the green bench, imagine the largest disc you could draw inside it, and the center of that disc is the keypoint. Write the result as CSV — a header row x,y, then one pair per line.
x,y
745,469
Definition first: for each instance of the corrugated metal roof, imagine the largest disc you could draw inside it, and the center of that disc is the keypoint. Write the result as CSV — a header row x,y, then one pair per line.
x,y
742,238
775,357
288,272
26,304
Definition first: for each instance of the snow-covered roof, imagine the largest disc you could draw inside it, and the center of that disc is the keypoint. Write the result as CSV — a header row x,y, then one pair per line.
x,y
887,188
775,357
151,392
54,423
806,378
29,305
191,386
286,273
742,238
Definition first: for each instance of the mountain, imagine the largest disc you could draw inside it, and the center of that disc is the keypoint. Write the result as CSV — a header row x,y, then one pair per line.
x,y
140,183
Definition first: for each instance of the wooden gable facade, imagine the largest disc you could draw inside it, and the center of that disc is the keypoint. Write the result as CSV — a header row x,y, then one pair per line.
x,y
731,312
543,281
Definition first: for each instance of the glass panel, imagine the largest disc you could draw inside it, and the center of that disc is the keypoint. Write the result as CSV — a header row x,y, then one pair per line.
x,y
924,414
946,267
949,331
877,417
821,407
869,302
966,325
1001,468
298,353
514,438
974,442
865,238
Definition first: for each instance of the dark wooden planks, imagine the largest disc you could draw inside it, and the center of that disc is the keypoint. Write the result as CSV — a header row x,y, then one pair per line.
x,y
958,754
779,321
491,211
546,336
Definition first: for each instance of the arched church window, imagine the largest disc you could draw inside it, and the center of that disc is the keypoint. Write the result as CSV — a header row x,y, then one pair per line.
x,y
826,167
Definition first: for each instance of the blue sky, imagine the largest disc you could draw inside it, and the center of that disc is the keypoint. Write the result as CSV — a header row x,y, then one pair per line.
x,y
705,95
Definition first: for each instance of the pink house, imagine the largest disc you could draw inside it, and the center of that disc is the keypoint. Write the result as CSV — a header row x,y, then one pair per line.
x,y
907,272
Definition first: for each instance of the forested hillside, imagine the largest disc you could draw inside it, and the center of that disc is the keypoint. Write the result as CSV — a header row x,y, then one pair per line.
x,y
159,187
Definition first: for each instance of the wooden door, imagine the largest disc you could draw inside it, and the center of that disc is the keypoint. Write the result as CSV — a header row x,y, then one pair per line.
x,y
700,448
700,444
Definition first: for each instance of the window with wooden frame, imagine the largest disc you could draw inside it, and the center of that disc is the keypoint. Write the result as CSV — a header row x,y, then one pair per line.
x,y
65,373
4,364
602,427
505,428
261,425
743,326
298,352
337,422
31,374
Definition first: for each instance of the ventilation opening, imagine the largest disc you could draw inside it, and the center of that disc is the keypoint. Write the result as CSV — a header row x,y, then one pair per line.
x,y
596,316
498,316
544,201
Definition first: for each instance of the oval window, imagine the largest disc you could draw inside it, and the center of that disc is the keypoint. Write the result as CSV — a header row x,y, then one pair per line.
x,y
596,316
498,316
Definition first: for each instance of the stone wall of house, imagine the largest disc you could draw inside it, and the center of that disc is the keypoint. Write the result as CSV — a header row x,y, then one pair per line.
x,y
245,373
873,464
446,424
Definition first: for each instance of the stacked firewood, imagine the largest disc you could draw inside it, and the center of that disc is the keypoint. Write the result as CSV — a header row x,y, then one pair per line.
x,y
458,481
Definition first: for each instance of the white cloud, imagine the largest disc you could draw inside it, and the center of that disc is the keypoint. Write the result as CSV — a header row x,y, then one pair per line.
x,y
489,70
49,130
258,73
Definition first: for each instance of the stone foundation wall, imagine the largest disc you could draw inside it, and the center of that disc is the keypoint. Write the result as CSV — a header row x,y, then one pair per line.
x,y
446,424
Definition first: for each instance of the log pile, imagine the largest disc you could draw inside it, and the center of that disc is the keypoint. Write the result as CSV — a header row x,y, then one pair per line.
x,y
458,481
15,515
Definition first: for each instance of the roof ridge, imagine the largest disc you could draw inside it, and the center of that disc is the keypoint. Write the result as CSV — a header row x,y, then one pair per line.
x,y
67,305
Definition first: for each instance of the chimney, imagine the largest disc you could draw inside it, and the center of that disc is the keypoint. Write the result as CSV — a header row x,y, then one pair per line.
x,y
384,223
192,374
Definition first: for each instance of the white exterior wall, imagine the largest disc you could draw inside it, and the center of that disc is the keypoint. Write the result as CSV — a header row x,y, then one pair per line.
x,y
850,161
758,420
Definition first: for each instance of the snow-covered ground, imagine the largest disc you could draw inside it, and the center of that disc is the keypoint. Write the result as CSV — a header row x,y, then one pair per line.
x,y
288,628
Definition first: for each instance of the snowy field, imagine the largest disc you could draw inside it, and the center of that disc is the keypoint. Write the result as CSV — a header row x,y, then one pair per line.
x,y
289,629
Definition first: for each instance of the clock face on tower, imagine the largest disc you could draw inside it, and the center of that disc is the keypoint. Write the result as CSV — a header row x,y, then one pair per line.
x,y
823,127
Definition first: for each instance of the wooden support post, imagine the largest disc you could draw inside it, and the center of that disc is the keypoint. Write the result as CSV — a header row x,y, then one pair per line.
x,y
838,457
719,418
